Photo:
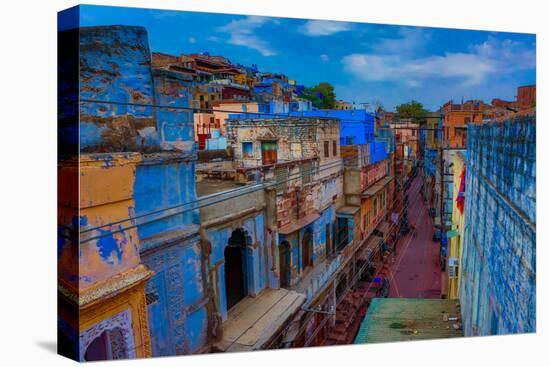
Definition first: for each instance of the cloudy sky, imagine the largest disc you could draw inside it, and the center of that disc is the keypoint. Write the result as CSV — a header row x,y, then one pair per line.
x,y
365,62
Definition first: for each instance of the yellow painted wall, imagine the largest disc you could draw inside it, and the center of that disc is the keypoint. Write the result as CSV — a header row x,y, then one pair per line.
x,y
106,196
368,218
455,243
113,261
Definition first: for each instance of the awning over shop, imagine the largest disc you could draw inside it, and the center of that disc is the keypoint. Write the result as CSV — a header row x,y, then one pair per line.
x,y
255,320
373,244
300,223
371,191
453,233
347,211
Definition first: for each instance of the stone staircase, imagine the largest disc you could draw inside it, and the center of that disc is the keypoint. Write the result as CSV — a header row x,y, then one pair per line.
x,y
352,309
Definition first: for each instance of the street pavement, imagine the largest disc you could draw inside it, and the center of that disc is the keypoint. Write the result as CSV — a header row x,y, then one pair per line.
x,y
415,271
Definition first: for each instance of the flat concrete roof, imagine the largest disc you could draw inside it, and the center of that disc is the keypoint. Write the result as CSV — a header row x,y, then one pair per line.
x,y
404,319
252,322
210,186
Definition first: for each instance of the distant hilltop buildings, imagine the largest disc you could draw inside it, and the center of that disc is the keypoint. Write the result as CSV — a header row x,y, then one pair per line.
x,y
455,117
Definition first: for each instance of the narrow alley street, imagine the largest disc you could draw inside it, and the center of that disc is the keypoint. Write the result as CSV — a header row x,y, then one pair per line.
x,y
415,271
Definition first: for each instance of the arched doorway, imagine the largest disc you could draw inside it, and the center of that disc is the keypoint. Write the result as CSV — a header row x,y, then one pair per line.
x,y
307,249
235,268
284,263
110,344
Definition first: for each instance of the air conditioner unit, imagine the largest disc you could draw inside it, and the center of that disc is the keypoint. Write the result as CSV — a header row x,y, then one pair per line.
x,y
452,267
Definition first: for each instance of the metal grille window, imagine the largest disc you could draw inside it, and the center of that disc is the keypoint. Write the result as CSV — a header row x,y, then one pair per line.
x,y
326,149
334,149
305,172
281,178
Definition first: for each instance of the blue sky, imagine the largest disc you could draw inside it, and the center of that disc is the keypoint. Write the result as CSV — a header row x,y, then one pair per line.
x,y
365,62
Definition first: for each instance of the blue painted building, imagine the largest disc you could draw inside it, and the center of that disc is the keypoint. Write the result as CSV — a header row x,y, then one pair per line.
x,y
170,242
498,284
168,229
356,126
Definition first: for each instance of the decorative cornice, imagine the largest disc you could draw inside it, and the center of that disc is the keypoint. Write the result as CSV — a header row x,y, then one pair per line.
x,y
106,288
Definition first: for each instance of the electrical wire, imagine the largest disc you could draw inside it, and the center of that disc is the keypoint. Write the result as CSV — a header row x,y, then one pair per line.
x,y
332,166
222,193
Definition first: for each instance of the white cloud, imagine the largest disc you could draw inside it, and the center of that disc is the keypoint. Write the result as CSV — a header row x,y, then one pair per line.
x,y
192,40
324,57
509,54
410,39
241,33
324,27
468,68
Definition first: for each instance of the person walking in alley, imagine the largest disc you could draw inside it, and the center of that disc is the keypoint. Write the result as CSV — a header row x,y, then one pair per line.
x,y
413,229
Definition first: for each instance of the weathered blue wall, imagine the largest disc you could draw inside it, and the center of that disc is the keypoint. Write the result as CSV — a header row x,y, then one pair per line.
x,y
328,216
115,66
257,248
178,319
498,285
175,126
165,181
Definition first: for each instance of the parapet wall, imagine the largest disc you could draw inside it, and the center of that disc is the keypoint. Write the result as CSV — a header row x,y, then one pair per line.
x,y
498,284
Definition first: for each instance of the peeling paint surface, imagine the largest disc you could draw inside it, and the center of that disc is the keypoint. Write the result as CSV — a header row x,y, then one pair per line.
x,y
115,66
175,126
497,290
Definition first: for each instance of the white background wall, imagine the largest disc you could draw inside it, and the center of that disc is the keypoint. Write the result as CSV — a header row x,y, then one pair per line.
x,y
28,186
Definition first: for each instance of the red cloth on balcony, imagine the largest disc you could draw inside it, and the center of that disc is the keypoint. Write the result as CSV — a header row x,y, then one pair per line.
x,y
461,191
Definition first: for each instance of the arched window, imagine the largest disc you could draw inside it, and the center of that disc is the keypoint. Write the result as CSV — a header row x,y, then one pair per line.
x,y
110,344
